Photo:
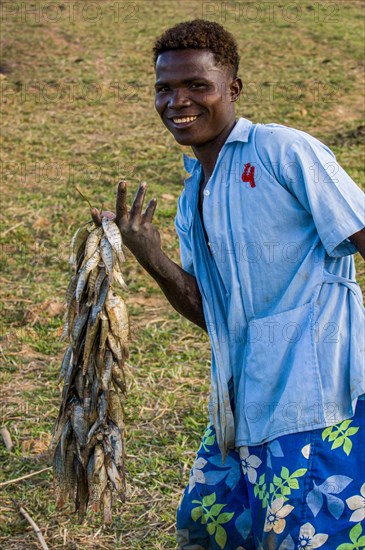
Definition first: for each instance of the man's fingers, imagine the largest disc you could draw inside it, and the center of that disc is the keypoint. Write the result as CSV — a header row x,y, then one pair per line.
x,y
121,205
149,212
136,209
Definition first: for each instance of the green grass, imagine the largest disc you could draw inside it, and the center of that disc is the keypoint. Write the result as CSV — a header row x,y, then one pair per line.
x,y
77,98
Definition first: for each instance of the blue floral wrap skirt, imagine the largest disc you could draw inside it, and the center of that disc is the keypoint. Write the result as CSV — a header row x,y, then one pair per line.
x,y
299,491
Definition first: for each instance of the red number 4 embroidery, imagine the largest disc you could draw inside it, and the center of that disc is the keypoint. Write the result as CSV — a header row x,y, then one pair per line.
x,y
249,174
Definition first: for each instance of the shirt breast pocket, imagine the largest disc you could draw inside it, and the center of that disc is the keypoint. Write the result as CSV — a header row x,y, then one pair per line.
x,y
281,381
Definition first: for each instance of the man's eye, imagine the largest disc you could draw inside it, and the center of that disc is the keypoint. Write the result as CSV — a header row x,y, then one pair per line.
x,y
164,89
197,86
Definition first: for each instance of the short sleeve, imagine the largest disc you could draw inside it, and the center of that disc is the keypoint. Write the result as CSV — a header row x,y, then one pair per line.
x,y
327,192
182,225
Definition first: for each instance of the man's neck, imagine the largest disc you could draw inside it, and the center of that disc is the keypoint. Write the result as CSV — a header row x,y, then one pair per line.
x,y
207,154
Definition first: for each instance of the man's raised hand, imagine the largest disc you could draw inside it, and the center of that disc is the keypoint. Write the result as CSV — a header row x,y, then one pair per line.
x,y
143,240
137,230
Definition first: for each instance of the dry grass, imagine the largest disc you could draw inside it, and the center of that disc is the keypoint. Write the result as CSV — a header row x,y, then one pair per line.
x,y
77,98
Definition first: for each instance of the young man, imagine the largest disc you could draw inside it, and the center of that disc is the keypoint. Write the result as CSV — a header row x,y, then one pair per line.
x,y
268,223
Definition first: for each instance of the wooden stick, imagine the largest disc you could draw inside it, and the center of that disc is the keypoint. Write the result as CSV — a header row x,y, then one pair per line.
x,y
25,477
34,525
7,438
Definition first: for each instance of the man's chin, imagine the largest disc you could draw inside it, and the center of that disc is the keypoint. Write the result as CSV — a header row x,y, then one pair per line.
x,y
185,141
188,140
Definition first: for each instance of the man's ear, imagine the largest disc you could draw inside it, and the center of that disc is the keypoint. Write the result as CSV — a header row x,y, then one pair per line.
x,y
236,88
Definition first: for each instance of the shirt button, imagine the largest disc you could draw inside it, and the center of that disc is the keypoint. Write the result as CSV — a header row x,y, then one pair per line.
x,y
206,192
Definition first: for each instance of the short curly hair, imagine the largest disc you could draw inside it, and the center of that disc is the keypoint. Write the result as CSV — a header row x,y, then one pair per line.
x,y
200,34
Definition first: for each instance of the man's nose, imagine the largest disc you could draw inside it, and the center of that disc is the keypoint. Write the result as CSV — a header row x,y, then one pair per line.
x,y
179,99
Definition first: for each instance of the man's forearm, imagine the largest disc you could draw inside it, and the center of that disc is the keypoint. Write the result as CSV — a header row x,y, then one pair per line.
x,y
179,287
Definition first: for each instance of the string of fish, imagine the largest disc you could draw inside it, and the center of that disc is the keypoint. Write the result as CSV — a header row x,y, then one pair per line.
x,y
89,457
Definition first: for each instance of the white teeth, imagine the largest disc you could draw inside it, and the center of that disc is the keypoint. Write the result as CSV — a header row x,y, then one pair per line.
x,y
184,119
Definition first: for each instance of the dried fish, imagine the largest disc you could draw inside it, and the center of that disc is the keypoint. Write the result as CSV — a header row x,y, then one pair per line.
x,y
98,307
71,289
118,378
79,424
114,237
88,436
118,316
104,331
114,443
81,283
91,334
116,348
99,281
115,410
64,439
114,475
59,477
107,371
118,278
91,286
106,253
67,359
77,242
79,324
92,244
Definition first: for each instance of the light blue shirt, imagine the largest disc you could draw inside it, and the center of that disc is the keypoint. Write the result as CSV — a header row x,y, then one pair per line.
x,y
282,307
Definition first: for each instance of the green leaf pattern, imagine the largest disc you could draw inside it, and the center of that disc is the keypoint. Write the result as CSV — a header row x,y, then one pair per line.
x,y
209,513
281,486
340,434
357,539
208,439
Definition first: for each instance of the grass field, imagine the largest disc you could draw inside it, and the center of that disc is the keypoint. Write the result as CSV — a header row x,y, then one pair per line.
x,y
77,97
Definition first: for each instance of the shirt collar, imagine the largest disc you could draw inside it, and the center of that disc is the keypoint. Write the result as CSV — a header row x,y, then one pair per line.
x,y
240,132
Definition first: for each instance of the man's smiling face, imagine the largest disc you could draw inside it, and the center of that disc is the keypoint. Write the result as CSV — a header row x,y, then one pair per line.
x,y
194,95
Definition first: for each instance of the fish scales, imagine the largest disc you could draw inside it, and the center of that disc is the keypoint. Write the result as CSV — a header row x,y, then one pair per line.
x,y
67,359
81,283
79,424
118,377
99,281
115,410
92,243
113,475
71,289
70,315
77,242
78,324
91,285
59,481
106,253
70,473
116,348
113,235
118,316
115,443
105,328
64,439
107,371
98,307
91,334
92,262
